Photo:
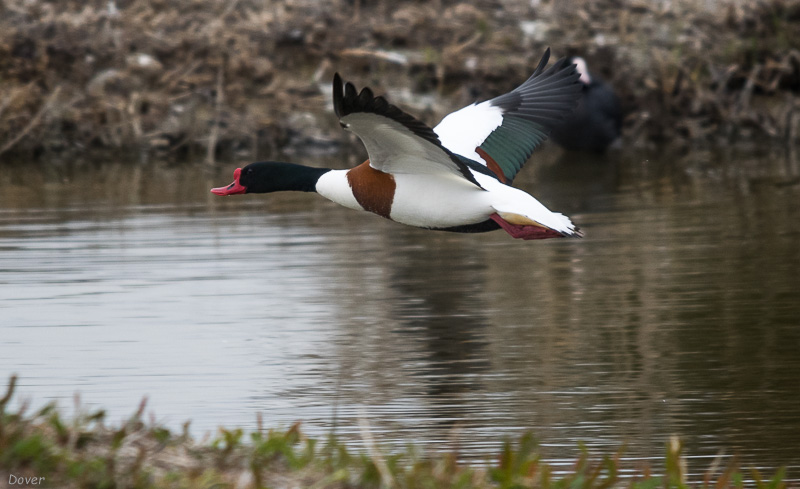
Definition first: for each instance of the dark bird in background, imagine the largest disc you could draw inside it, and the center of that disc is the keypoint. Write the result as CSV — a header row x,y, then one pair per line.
x,y
597,120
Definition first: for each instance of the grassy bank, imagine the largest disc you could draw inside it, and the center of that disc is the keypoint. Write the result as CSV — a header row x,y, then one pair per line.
x,y
85,452
201,78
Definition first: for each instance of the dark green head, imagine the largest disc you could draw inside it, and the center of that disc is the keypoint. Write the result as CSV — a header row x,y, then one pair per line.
x,y
272,176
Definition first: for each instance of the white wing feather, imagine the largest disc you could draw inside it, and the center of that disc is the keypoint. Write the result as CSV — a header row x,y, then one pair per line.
x,y
393,148
465,129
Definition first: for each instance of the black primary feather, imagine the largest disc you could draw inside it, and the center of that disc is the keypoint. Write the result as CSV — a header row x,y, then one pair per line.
x,y
530,112
547,96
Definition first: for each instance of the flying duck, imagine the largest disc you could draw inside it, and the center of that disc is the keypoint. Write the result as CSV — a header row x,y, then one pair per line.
x,y
597,120
454,177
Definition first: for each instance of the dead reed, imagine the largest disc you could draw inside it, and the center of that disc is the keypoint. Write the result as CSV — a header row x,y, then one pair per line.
x,y
207,77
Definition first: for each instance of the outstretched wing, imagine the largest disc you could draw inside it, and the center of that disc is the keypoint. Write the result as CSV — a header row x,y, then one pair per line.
x,y
396,142
503,132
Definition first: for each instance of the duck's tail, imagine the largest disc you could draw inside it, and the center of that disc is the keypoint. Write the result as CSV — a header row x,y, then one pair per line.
x,y
554,225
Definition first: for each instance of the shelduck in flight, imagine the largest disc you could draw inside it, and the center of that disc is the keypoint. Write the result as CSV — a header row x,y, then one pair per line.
x,y
454,177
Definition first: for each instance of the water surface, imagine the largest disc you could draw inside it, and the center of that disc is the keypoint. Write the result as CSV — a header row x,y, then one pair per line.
x,y
677,314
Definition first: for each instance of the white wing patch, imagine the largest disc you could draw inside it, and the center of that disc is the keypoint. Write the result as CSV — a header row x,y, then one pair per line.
x,y
465,129
393,148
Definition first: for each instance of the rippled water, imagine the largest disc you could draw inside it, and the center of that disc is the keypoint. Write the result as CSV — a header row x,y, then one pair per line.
x,y
677,314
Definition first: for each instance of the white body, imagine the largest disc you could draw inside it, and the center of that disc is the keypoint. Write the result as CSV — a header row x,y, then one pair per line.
x,y
445,200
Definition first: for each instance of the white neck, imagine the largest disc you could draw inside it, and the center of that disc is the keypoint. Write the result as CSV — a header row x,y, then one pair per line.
x,y
335,187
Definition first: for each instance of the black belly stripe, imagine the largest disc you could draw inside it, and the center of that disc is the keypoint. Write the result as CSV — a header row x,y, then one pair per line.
x,y
480,227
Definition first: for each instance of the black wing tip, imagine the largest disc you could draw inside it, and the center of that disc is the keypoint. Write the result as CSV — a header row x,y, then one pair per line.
x,y
562,75
559,80
338,94
564,67
348,100
542,63
577,233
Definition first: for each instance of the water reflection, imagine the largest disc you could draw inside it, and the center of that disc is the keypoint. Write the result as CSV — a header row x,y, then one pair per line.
x,y
438,299
676,315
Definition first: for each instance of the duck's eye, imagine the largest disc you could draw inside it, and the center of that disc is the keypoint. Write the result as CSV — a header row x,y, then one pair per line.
x,y
249,171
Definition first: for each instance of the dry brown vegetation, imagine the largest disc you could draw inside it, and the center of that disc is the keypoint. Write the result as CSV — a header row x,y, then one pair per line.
x,y
203,77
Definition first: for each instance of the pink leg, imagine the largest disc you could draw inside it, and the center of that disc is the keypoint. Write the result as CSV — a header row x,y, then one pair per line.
x,y
525,232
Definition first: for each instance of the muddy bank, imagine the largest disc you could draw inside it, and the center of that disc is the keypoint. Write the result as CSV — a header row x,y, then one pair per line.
x,y
205,79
